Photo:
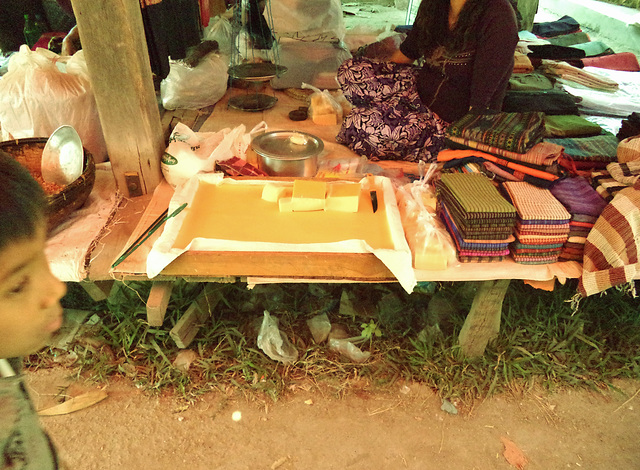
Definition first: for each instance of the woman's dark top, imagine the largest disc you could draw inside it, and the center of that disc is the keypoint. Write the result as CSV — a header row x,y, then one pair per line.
x,y
452,83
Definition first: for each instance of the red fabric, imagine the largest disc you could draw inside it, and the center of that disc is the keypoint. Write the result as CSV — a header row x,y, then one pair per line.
x,y
626,61
43,42
204,12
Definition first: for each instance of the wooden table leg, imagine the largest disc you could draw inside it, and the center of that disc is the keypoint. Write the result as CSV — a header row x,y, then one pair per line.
x,y
158,301
97,290
198,312
483,321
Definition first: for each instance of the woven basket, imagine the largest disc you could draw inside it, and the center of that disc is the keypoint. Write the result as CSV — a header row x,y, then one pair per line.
x,y
73,195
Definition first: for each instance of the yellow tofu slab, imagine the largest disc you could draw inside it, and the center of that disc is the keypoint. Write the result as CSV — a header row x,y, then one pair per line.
x,y
308,195
343,197
273,192
284,204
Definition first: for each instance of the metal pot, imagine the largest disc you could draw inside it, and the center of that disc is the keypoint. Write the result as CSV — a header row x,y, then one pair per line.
x,y
288,153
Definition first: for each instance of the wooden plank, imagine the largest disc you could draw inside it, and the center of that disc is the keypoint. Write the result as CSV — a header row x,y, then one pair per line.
x,y
97,290
113,42
116,235
198,312
483,320
158,301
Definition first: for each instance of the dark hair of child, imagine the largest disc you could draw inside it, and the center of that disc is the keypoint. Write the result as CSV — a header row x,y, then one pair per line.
x,y
22,202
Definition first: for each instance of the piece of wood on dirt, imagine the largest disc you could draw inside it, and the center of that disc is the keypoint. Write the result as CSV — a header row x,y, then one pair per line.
x,y
97,290
198,312
513,454
75,404
483,320
158,301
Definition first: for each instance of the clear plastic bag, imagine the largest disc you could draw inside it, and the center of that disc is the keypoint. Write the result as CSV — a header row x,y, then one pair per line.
x,y
431,245
40,93
195,87
323,107
274,342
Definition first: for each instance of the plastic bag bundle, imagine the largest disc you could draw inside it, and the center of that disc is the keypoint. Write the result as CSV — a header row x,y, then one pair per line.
x,y
324,109
189,152
431,245
40,93
221,31
195,87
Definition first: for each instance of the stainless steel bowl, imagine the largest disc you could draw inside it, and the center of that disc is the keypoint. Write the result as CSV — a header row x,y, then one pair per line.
x,y
288,153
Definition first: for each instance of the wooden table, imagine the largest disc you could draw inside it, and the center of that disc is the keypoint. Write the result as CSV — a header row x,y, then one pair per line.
x,y
137,214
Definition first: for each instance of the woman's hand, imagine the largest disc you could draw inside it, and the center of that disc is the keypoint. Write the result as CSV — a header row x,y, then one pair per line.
x,y
399,58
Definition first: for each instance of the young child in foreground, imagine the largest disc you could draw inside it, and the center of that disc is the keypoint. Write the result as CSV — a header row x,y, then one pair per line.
x,y
30,313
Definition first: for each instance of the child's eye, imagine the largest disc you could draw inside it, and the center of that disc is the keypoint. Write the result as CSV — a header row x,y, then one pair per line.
x,y
19,286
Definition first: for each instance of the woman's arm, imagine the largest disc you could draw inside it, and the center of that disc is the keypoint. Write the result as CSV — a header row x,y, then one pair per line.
x,y
493,64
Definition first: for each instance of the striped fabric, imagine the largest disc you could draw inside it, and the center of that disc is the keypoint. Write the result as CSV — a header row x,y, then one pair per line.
x,y
537,205
476,197
533,203
599,148
611,251
543,153
625,173
515,132
605,185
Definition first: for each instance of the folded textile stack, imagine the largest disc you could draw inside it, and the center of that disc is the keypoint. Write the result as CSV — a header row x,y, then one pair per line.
x,y
574,74
514,132
542,225
585,205
598,150
478,218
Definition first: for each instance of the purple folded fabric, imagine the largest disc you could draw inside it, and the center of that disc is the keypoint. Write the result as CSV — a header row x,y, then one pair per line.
x,y
577,195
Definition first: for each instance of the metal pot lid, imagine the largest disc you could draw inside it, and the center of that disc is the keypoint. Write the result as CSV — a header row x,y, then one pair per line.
x,y
287,145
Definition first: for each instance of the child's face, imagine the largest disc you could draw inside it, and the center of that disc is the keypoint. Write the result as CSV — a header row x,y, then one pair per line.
x,y
30,310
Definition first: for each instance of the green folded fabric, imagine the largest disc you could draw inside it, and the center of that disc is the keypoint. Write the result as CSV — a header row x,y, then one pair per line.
x,y
530,81
569,39
568,125
594,48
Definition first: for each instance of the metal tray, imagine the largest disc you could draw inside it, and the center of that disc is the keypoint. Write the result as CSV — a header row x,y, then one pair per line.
x,y
257,71
279,144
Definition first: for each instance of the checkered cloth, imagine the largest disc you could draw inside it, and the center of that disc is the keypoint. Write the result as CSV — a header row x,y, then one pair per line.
x,y
612,247
237,167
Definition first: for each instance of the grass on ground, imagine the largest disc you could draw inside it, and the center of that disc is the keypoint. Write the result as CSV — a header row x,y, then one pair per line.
x,y
543,341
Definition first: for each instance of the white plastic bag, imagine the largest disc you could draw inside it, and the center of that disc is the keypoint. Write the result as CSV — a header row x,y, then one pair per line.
x,y
189,152
39,93
220,30
308,20
198,87
274,342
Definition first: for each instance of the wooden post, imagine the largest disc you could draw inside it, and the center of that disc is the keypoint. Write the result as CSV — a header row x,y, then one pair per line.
x,y
199,311
483,321
158,302
114,44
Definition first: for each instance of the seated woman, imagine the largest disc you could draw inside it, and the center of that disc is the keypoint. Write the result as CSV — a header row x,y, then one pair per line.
x,y
401,110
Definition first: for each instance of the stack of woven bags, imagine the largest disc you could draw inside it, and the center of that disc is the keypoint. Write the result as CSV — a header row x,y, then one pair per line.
x,y
542,225
585,206
521,209
479,219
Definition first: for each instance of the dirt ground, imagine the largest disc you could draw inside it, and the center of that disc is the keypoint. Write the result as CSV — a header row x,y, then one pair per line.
x,y
400,428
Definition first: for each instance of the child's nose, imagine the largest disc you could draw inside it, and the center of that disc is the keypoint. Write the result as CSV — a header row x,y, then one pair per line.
x,y
54,290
